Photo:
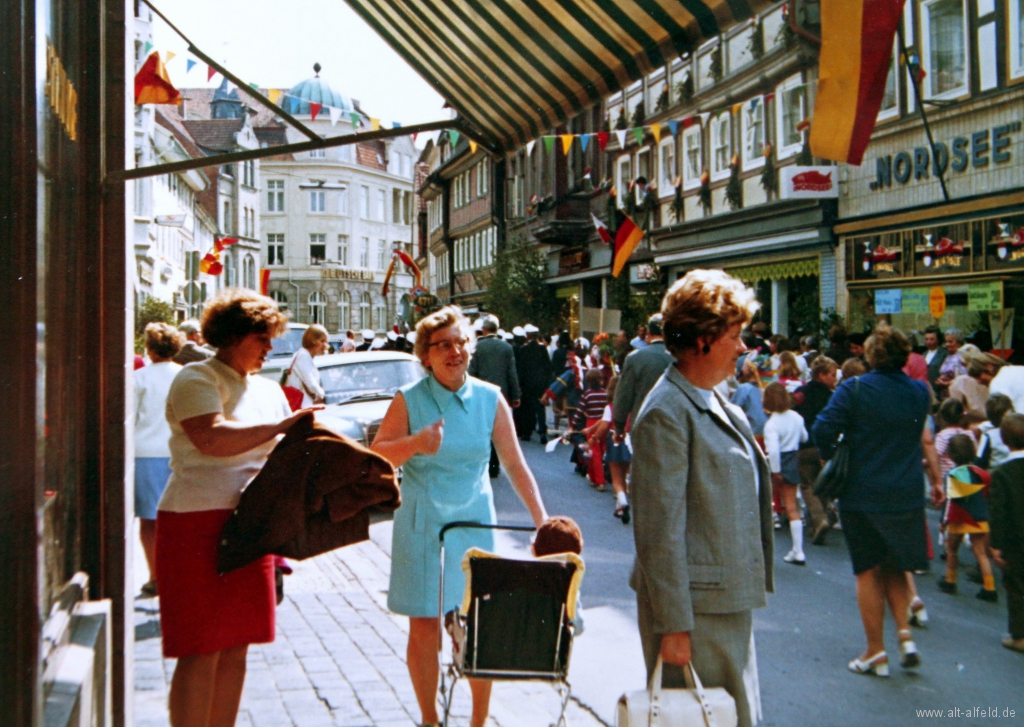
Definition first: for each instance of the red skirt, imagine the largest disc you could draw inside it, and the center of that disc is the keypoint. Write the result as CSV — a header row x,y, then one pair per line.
x,y
200,611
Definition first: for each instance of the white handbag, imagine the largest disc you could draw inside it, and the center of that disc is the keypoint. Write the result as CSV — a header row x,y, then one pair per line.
x,y
693,707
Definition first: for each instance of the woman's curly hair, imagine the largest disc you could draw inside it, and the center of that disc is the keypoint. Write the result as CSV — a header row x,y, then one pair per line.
x,y
235,313
887,349
704,304
163,340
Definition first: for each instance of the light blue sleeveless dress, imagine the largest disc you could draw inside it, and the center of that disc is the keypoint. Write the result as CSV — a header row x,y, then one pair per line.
x,y
437,489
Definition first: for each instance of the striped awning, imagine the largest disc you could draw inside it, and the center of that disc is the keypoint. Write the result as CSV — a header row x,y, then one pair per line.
x,y
516,68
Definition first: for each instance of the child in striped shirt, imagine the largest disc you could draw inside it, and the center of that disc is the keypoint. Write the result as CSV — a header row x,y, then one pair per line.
x,y
592,404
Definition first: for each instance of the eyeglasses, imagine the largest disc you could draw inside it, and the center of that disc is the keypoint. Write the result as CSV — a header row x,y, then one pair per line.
x,y
449,344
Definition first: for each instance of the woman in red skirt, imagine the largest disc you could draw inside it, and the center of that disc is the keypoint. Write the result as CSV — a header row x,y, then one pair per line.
x,y
224,423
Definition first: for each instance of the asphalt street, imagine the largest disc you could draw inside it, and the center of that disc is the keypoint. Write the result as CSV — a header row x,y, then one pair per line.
x,y
805,636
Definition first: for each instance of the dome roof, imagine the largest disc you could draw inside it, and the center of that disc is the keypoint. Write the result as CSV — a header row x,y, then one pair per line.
x,y
315,90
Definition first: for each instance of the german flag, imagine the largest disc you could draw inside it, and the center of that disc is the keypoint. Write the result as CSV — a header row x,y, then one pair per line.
x,y
152,84
627,237
856,49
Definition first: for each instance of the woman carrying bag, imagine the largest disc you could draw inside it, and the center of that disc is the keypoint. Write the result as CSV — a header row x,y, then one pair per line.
x,y
303,374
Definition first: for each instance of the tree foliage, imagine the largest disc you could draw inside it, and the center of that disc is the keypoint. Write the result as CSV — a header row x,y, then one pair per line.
x,y
152,310
637,303
518,292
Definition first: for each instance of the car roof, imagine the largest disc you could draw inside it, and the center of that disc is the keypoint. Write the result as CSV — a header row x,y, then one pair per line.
x,y
334,359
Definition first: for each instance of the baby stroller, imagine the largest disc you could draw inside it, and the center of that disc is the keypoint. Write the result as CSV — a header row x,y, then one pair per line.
x,y
516,619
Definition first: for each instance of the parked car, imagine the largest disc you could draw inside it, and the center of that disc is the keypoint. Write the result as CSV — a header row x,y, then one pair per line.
x,y
359,387
288,342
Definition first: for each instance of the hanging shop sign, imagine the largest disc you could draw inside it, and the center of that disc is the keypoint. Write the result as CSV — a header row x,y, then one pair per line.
x,y
809,182
978,150
346,274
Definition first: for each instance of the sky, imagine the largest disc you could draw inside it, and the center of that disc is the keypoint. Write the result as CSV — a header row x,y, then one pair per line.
x,y
275,45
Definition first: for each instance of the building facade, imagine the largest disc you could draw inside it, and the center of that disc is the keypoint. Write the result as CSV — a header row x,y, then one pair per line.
x,y
331,219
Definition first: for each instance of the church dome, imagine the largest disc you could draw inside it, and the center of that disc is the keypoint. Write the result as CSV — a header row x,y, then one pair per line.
x,y
315,90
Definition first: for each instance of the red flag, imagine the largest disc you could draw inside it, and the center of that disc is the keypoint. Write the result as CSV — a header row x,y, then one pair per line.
x,y
210,72
602,229
385,287
602,139
219,243
211,264
857,37
411,264
314,109
152,84
264,281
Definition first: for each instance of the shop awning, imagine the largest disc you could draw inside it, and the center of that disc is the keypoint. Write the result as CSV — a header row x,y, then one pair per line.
x,y
514,69
776,271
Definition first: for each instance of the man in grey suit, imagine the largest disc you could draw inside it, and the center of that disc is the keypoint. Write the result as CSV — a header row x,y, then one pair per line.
x,y
495,361
640,373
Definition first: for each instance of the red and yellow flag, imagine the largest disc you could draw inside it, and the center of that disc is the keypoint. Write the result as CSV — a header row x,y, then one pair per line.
x,y
627,237
152,84
856,48
264,281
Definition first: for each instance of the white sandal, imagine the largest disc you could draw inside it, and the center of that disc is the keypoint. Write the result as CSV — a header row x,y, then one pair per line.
x,y
917,613
877,665
909,658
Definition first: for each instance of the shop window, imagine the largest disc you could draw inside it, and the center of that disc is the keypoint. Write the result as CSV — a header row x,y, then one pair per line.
x,y
721,144
344,310
692,158
317,249
944,48
790,110
275,249
275,195
343,250
667,159
752,115
1015,9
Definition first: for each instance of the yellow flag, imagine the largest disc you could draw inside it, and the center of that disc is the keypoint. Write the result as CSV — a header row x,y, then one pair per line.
x,y
273,94
656,131
374,124
736,107
472,147
566,143
170,55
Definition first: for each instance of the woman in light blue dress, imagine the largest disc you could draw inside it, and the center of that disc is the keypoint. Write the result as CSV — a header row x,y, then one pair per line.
x,y
440,431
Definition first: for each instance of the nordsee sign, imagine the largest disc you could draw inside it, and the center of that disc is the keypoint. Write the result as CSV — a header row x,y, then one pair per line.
x,y
982,148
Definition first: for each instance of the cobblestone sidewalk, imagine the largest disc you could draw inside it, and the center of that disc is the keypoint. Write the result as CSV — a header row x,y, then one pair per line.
x,y
338,661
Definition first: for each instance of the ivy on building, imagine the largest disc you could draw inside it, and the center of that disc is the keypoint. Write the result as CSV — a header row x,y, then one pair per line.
x,y
639,114
769,179
716,70
684,90
704,194
662,103
677,202
805,158
785,37
621,123
756,44
734,188
518,292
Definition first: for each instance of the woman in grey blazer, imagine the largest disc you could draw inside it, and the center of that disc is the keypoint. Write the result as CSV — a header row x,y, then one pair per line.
x,y
702,499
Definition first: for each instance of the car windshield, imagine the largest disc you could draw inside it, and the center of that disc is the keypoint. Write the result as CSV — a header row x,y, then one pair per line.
x,y
288,343
345,382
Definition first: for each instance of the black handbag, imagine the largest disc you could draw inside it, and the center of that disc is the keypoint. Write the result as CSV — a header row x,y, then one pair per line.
x,y
834,475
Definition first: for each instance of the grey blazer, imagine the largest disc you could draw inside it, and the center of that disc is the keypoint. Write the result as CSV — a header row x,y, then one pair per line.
x,y
494,361
703,527
640,372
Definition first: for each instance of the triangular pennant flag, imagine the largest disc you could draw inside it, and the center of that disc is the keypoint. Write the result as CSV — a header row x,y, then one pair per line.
x,y
688,122
602,139
210,72
754,102
170,54
549,143
566,143
374,124
354,118
190,64
254,86
529,146
335,114
472,147
414,136
736,107
314,109
584,140
395,125
453,137
704,117
656,132
273,94
673,126
620,134
148,48
638,134
769,97
152,84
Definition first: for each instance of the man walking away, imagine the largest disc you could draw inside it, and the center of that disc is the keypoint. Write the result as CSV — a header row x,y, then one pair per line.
x,y
534,376
640,373
495,362
810,400
193,349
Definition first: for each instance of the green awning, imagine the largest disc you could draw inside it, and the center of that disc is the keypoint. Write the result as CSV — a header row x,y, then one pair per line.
x,y
514,69
776,271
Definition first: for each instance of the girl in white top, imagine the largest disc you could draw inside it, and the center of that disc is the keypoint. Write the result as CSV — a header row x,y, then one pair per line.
x,y
303,373
784,432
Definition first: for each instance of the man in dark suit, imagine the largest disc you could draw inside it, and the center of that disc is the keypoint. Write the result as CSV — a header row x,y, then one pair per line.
x,y
934,353
1006,521
494,361
640,373
534,369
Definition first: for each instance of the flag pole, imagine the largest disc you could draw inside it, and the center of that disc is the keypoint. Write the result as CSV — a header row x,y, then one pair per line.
x,y
916,83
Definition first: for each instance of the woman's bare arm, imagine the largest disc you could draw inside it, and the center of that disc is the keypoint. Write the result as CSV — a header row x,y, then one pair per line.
x,y
507,445
216,436
396,444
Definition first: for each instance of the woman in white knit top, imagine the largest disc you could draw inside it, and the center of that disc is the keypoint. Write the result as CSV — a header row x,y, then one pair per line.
x,y
303,373
784,432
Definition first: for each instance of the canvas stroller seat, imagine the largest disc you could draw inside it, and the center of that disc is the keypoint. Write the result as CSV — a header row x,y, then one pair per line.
x,y
516,621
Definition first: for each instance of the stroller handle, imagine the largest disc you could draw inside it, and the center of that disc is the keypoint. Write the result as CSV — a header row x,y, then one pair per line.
x,y
484,526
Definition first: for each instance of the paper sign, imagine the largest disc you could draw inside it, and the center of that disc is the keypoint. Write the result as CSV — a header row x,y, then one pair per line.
x,y
937,301
914,301
888,300
985,296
